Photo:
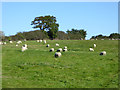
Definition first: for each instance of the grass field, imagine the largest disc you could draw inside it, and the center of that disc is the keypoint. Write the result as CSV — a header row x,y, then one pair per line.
x,y
76,68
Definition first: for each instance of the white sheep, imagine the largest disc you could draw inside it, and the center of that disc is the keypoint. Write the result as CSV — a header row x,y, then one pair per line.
x,y
47,45
57,54
4,43
0,43
44,41
11,42
25,45
91,49
113,39
59,50
40,41
25,40
65,47
16,45
37,40
94,45
19,42
57,45
52,50
23,49
103,53
64,50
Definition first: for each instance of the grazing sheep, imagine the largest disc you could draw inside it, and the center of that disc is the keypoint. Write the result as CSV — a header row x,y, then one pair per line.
x,y
113,39
4,43
59,50
94,45
37,40
40,40
64,50
44,41
19,42
47,45
57,45
25,45
24,48
16,45
57,54
52,50
11,42
0,43
103,53
91,49
91,39
25,40
65,47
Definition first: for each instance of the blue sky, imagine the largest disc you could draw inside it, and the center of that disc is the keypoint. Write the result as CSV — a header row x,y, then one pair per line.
x,y
94,17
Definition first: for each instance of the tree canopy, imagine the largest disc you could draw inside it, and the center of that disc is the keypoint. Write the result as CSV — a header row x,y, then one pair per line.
x,y
76,34
46,24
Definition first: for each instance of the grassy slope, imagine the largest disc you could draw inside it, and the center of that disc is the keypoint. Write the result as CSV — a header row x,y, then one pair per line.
x,y
77,68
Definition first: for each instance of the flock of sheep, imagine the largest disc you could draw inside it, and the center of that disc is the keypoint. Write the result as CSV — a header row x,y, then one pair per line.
x,y
59,50
94,45
57,53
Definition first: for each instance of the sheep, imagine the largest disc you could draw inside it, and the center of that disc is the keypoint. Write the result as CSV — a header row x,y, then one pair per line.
x,y
40,41
64,50
25,40
47,45
91,49
57,45
113,39
52,50
37,40
11,42
57,54
103,53
19,42
44,41
94,45
91,39
59,50
4,43
24,47
16,45
0,43
65,47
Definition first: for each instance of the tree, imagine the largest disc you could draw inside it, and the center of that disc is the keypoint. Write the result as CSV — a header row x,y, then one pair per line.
x,y
76,34
46,24
19,35
62,35
114,35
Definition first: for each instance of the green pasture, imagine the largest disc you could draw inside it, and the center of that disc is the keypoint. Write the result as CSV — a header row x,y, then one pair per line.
x,y
76,68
